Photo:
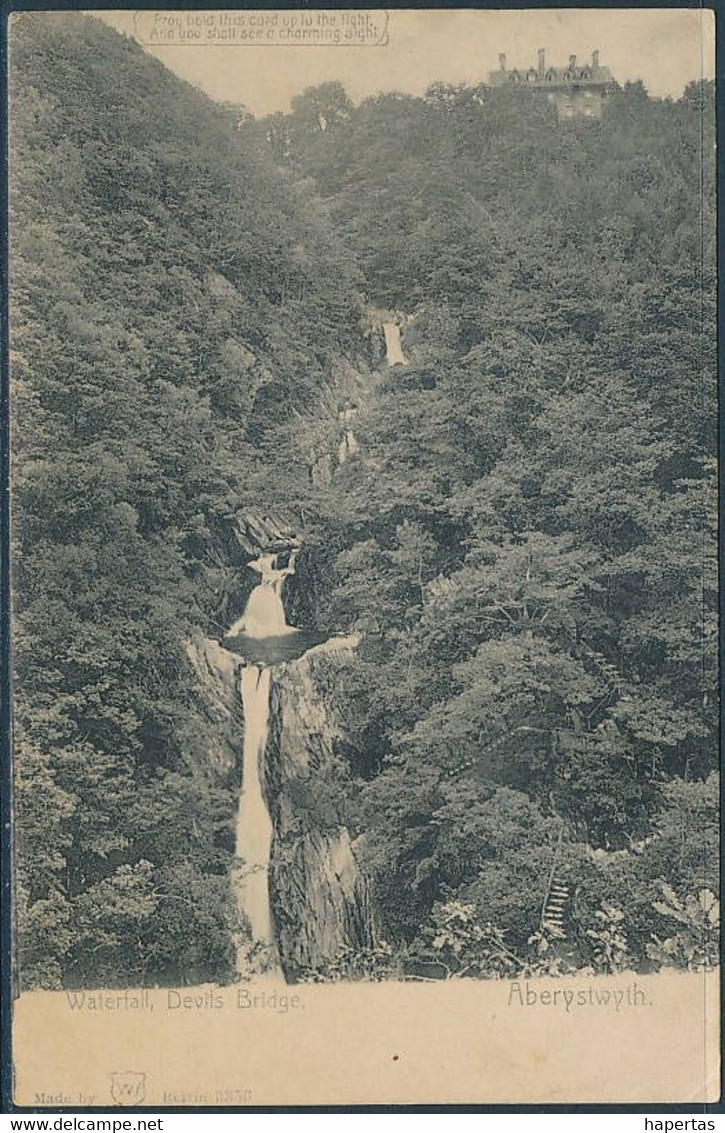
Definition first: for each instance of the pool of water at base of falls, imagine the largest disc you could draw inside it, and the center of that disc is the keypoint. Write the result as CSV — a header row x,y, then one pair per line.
x,y
274,650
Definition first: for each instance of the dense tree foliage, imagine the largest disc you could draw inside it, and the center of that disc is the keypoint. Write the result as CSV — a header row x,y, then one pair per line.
x,y
528,538
176,306
525,539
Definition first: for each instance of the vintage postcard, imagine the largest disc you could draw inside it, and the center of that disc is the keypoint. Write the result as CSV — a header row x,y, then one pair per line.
x,y
364,460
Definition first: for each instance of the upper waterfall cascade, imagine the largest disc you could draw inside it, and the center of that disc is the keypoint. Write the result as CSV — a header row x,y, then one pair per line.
x,y
348,445
393,345
321,465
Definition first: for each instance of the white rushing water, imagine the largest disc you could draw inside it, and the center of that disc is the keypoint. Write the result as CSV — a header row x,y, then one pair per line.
x,y
263,617
393,345
264,614
348,446
254,828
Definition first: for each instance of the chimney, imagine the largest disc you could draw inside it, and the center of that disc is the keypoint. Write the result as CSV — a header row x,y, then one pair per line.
x,y
502,62
542,61
572,62
595,59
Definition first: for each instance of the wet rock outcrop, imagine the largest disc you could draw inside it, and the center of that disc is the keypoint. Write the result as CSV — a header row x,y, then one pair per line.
x,y
321,901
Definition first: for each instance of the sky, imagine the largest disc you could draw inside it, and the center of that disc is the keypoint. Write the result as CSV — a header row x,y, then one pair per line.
x,y
665,48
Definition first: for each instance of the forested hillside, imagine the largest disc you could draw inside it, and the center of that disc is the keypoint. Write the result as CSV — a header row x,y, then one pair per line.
x,y
528,539
525,540
176,306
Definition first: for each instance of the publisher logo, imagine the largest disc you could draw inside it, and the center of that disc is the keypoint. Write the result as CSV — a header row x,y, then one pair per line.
x,y
128,1087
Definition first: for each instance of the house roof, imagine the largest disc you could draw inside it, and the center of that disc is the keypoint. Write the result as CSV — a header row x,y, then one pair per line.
x,y
582,75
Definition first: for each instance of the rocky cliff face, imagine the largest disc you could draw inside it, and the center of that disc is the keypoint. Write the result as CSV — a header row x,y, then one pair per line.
x,y
218,740
321,900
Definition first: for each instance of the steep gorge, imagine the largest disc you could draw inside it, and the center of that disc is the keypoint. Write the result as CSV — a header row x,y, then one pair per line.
x,y
208,362
224,422
301,903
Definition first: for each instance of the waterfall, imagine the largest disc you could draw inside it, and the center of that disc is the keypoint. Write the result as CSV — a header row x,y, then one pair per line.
x,y
316,881
263,617
254,830
348,446
264,614
393,345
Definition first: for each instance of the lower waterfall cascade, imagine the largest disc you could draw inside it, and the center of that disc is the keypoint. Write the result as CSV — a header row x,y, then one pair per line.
x,y
253,840
264,617
256,947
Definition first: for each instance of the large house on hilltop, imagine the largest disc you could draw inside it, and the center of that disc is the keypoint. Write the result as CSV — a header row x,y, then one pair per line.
x,y
577,91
